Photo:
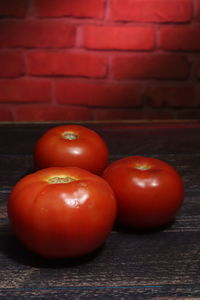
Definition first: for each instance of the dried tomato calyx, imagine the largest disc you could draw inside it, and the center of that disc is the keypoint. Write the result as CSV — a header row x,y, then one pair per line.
x,y
68,135
57,179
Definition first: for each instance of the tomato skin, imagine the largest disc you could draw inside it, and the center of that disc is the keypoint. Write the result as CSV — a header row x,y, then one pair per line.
x,y
62,220
84,149
149,192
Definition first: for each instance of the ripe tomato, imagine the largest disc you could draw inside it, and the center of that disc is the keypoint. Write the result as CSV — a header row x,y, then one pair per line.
x,y
62,212
149,192
71,145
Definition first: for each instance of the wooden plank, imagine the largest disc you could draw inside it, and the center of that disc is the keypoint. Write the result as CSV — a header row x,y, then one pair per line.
x,y
159,264
153,261
14,167
151,141
130,264
175,292
188,218
124,140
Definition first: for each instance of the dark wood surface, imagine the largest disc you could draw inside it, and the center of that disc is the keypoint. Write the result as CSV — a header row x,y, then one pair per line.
x,y
161,264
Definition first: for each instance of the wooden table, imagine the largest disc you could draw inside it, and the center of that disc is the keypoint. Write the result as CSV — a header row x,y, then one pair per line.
x,y
162,264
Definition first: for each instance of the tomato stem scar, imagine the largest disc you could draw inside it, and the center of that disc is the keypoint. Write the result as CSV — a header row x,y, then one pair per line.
x,y
68,135
57,179
143,167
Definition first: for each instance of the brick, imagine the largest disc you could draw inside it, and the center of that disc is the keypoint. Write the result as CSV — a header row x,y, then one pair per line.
x,y
25,90
172,96
5,115
198,10
75,8
117,114
12,8
180,38
30,34
150,67
131,114
119,37
160,11
41,113
12,64
98,93
66,63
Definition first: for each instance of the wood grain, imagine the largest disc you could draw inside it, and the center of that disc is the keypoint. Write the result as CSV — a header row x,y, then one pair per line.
x,y
159,264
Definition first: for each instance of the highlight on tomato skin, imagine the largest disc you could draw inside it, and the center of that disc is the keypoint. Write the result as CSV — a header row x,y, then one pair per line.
x,y
71,145
149,192
62,212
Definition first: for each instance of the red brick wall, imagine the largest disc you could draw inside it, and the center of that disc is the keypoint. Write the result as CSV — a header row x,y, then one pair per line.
x,y
99,59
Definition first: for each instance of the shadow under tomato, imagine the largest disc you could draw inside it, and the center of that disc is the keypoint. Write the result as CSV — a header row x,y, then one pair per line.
x,y
141,231
14,250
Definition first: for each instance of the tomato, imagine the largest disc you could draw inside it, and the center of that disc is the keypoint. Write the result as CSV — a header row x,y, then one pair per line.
x,y
62,212
149,192
71,145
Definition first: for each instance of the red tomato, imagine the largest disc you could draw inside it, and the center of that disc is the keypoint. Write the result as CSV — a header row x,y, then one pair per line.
x,y
62,212
71,145
149,192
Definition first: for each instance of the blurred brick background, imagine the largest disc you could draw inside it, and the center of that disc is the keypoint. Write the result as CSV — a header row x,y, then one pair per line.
x,y
64,60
